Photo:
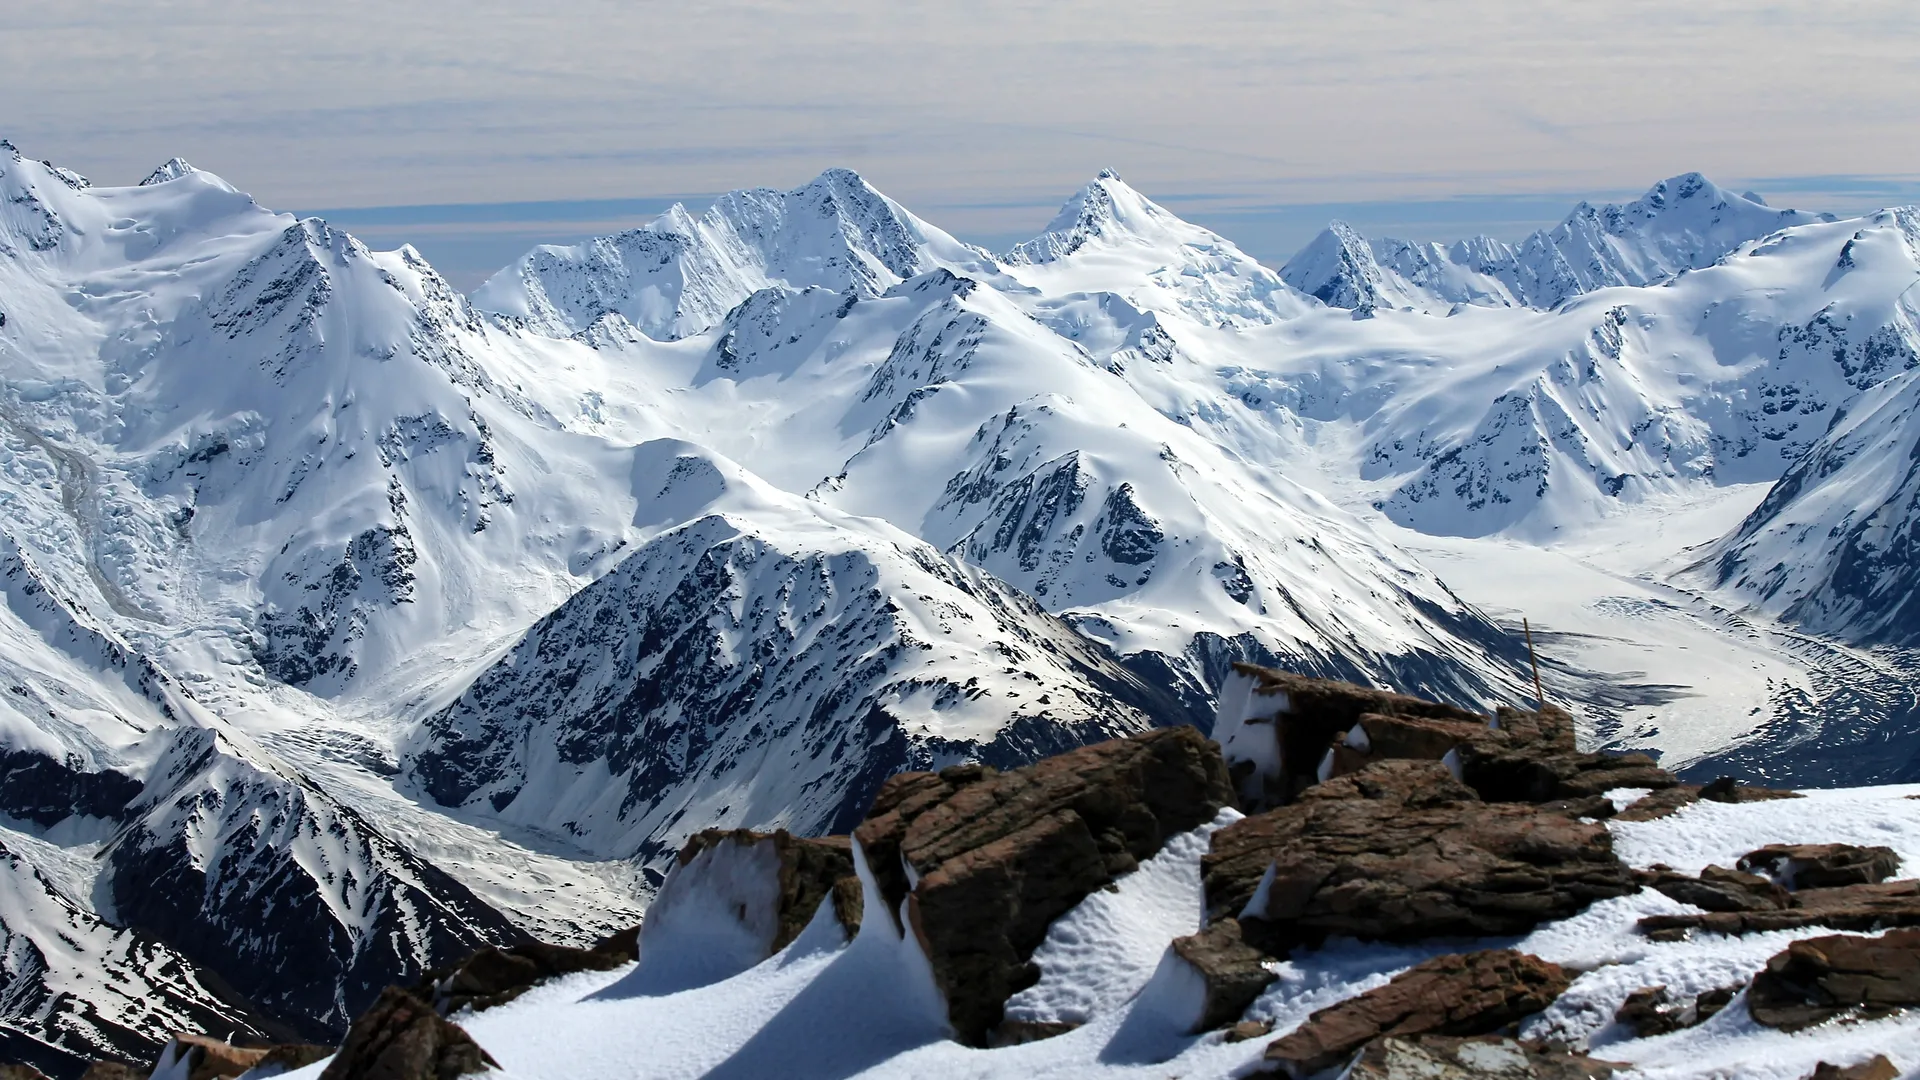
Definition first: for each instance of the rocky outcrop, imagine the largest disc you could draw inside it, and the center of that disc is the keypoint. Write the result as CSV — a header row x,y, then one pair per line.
x,y
494,976
1403,851
1437,1057
403,1038
20,1072
1822,866
1820,979
1459,994
286,1057
202,1057
1654,1010
1282,733
1232,971
1718,889
116,1070
1874,1068
1667,800
995,857
807,871
1276,728
1851,907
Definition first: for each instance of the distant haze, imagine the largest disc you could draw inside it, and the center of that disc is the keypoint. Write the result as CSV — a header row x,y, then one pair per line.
x,y
476,128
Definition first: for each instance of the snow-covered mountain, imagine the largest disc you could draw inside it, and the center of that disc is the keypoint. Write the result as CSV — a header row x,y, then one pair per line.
x,y
350,622
1682,223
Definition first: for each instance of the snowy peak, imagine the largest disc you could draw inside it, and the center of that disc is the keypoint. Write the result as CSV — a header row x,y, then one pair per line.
x,y
1105,210
172,169
679,275
1682,223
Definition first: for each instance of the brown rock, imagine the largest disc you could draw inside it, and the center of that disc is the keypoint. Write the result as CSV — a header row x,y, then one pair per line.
x,y
1659,804
1437,1057
1851,907
117,1070
1818,979
286,1057
1652,1010
1249,1029
1876,1068
207,1057
495,976
1302,716
1728,790
1822,866
811,869
1719,889
402,1038
1233,971
999,856
12,1071
1401,851
1458,994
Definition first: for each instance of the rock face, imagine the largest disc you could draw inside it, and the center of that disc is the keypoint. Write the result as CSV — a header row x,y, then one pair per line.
x,y
1822,866
997,856
1458,994
20,1072
1653,1010
202,1057
1818,979
1875,1068
1275,728
495,976
402,1038
1726,789
1233,972
1850,907
1402,851
1437,1057
1281,733
1719,889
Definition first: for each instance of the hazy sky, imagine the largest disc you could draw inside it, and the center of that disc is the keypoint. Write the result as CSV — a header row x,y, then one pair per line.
x,y
1260,119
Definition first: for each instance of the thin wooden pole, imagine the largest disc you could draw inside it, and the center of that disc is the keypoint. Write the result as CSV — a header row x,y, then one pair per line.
x,y
1539,695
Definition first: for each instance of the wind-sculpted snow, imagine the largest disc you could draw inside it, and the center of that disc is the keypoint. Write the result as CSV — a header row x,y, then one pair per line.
x,y
681,275
1682,223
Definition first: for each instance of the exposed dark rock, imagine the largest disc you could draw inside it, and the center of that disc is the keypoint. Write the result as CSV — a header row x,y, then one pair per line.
x,y
1531,757
1819,979
495,976
1822,866
207,1058
1019,1032
20,1072
1233,971
1719,889
1654,1010
1659,804
1295,718
1875,1068
1459,994
1851,907
402,1038
1249,1029
1438,1057
1000,855
286,1057
1402,851
811,870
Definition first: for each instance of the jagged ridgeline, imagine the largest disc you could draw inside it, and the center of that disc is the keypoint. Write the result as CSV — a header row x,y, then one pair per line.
x,y
352,623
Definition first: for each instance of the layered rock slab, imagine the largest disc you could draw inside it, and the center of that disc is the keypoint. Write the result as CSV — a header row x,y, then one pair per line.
x,y
1459,994
1437,1057
1820,979
1402,851
984,860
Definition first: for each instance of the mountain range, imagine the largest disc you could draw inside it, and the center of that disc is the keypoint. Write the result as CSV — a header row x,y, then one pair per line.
x,y
352,622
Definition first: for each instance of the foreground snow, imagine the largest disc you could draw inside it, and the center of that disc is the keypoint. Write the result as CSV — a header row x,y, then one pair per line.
x,y
825,1009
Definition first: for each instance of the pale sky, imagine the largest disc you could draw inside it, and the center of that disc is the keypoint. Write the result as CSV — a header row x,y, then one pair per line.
x,y
1259,119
